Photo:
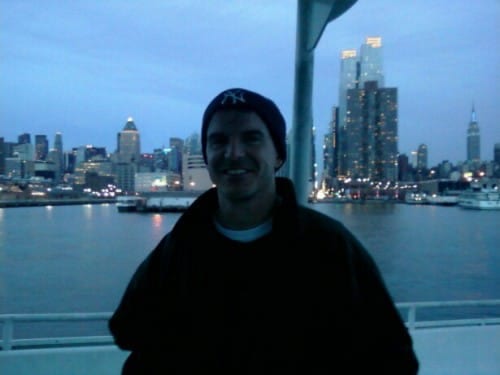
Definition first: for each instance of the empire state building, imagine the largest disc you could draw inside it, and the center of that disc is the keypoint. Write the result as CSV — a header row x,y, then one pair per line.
x,y
473,139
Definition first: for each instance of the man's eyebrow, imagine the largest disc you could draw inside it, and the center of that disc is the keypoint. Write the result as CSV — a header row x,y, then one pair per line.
x,y
253,131
244,132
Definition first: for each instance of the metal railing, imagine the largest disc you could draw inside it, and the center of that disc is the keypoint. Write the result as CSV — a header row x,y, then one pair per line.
x,y
10,342
413,322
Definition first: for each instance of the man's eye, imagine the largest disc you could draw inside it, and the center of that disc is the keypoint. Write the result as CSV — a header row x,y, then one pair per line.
x,y
253,139
217,141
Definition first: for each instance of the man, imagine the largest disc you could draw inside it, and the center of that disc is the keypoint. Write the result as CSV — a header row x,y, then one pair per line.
x,y
248,281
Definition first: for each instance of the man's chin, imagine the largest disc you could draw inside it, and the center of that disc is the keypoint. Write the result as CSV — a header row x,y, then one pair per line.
x,y
237,193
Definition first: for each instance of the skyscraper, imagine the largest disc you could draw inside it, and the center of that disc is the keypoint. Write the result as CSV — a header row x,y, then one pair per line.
x,y
175,155
58,155
496,153
129,143
473,139
349,72
2,156
41,147
422,157
370,62
127,157
329,150
24,138
367,131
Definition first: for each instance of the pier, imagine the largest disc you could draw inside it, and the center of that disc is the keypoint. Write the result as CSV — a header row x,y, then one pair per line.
x,y
53,202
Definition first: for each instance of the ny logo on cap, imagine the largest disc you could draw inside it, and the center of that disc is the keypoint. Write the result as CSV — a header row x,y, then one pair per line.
x,y
235,96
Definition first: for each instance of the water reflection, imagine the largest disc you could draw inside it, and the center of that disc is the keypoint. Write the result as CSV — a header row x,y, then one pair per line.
x,y
157,220
87,211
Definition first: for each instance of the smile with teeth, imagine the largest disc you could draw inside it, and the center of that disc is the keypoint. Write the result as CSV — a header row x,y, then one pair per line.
x,y
236,171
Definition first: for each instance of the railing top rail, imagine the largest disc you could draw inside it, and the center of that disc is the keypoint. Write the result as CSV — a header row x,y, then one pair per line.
x,y
39,317
424,304
42,317
34,317
9,342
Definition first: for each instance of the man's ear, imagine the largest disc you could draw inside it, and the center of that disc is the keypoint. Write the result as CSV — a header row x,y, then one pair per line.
x,y
278,164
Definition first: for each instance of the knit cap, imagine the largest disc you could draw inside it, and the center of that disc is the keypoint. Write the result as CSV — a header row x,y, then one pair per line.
x,y
239,98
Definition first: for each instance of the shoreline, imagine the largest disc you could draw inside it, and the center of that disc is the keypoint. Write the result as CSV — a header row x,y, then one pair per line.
x,y
12,203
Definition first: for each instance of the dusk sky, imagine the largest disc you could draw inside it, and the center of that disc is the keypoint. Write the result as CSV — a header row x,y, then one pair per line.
x,y
83,67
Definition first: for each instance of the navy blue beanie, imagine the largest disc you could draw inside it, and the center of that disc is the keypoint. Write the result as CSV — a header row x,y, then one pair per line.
x,y
238,98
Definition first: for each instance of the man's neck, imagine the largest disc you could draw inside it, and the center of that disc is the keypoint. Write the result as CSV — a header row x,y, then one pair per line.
x,y
245,214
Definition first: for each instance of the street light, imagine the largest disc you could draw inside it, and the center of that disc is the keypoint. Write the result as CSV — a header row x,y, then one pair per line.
x,y
312,18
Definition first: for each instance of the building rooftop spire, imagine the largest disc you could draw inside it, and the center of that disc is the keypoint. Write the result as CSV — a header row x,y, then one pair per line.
x,y
130,125
473,113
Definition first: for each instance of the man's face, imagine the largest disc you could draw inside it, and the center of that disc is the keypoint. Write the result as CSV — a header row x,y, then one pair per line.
x,y
241,156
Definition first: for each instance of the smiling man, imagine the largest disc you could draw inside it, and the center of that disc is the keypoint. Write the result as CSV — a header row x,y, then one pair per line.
x,y
250,282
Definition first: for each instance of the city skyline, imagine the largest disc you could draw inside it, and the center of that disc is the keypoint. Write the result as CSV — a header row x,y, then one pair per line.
x,y
59,136
83,68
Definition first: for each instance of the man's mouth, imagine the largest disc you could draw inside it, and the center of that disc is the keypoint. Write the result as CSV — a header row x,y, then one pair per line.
x,y
235,172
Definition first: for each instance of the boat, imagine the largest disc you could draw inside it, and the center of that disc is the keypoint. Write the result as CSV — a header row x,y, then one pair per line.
x,y
174,201
168,203
442,199
128,203
415,197
484,198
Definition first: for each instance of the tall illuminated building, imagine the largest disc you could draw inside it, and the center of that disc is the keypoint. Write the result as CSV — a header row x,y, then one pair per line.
x,y
349,72
473,139
127,157
24,138
496,153
58,149
129,143
41,147
422,157
371,62
367,124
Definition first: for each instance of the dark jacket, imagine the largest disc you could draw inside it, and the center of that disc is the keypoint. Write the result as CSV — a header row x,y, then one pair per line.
x,y
305,299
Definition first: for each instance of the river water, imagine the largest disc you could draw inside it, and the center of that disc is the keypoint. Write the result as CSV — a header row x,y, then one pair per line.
x,y
80,258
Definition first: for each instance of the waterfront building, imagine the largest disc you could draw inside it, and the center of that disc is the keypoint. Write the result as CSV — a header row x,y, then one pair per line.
x,y
175,155
45,169
125,173
53,157
413,158
349,71
371,133
129,143
192,144
24,138
366,132
146,163
422,157
146,182
330,164
14,168
41,147
195,175
404,168
127,156
59,152
98,171
2,156
371,62
473,140
23,151
444,169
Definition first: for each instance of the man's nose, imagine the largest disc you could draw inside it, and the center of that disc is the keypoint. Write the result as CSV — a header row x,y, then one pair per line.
x,y
234,149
